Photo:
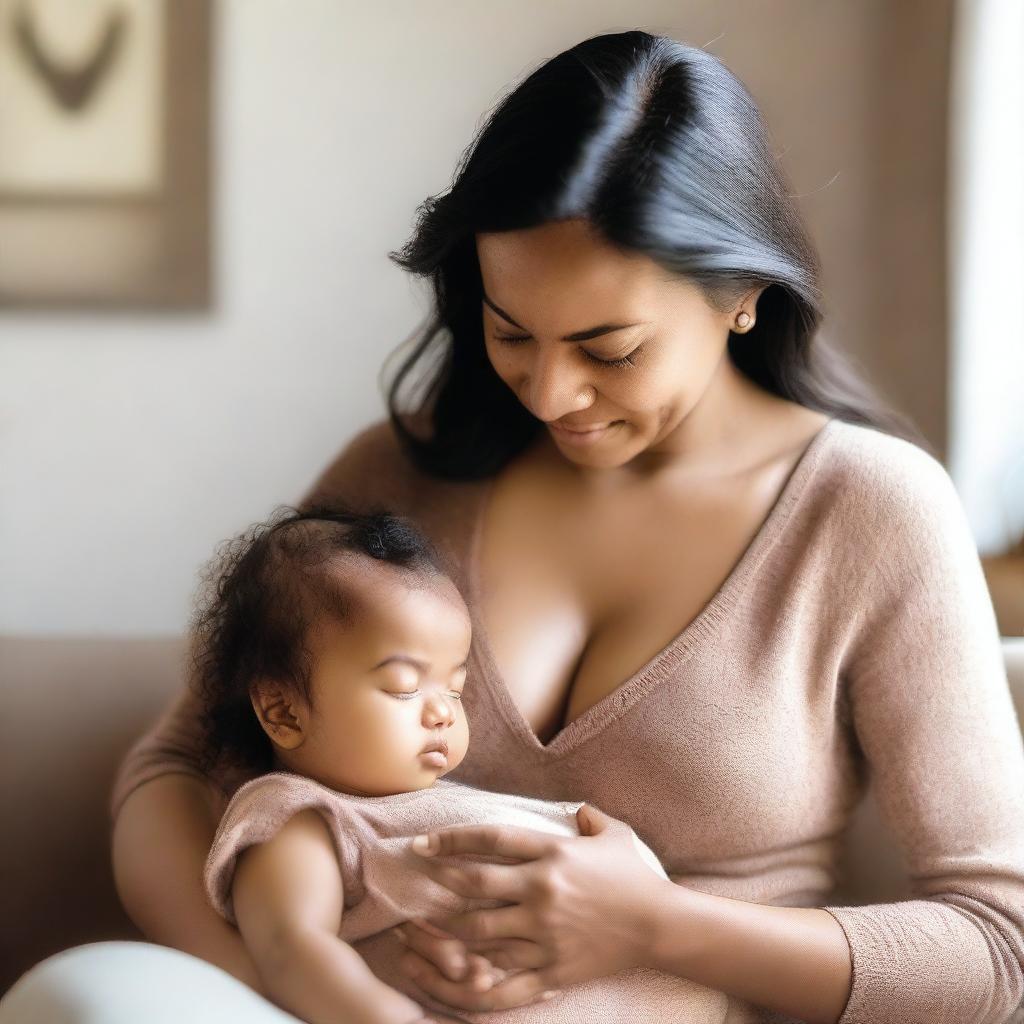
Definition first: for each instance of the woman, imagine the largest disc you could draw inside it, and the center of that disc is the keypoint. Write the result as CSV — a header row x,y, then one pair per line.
x,y
712,593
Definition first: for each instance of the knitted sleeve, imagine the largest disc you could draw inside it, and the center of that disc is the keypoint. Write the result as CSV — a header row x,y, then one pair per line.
x,y
934,719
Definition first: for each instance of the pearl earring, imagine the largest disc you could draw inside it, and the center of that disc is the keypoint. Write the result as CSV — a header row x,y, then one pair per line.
x,y
743,320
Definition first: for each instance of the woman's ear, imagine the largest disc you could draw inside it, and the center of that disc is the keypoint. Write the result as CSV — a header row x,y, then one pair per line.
x,y
750,299
278,714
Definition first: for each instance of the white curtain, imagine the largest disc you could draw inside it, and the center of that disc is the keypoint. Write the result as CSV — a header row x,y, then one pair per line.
x,y
986,269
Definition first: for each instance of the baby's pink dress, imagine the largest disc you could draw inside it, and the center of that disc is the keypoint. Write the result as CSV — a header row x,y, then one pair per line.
x,y
384,886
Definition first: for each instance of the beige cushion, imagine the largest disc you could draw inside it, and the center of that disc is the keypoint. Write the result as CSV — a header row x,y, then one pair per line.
x,y
72,707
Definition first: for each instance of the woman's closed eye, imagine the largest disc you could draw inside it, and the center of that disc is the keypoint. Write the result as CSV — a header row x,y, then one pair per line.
x,y
626,360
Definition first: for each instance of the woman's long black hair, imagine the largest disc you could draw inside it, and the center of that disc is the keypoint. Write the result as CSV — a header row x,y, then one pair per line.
x,y
662,149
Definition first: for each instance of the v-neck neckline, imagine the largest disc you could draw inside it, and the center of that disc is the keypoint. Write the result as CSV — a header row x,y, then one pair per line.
x,y
590,722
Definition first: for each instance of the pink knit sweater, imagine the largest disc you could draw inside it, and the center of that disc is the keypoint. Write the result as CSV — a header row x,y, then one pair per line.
x,y
853,642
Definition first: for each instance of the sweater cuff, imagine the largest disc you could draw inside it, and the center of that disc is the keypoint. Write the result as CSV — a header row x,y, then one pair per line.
x,y
922,962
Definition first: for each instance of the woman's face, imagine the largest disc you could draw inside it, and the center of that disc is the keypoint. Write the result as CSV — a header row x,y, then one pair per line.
x,y
385,685
603,345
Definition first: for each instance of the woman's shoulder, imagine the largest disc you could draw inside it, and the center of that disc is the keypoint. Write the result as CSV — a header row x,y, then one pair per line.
x,y
878,486
371,468
876,452
374,471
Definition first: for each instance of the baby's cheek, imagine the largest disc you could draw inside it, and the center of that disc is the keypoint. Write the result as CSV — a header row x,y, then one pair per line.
x,y
458,739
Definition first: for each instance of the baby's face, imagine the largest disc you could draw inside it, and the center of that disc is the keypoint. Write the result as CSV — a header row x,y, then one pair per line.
x,y
386,684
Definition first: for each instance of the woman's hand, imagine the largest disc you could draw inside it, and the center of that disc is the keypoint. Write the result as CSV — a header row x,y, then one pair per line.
x,y
579,909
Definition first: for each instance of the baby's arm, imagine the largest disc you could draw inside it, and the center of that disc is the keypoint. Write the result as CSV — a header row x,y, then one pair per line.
x,y
288,899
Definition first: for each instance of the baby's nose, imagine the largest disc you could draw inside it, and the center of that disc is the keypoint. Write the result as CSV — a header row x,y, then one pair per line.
x,y
437,710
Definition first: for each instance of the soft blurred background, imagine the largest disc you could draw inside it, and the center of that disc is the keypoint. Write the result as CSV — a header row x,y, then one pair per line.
x,y
196,203
135,436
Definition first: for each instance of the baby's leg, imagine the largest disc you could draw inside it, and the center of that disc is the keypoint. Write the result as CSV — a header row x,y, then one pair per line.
x,y
131,983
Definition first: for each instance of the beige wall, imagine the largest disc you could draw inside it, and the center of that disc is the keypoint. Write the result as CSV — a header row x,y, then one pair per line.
x,y
909,124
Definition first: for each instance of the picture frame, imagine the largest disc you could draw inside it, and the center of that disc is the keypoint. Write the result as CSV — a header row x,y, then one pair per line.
x,y
105,165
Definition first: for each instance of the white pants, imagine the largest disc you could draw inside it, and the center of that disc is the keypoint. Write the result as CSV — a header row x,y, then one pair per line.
x,y
133,983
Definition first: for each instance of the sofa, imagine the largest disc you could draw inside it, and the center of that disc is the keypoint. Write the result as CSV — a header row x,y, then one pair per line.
x,y
73,706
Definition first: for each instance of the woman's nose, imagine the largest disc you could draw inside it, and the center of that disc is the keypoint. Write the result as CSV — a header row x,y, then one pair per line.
x,y
554,388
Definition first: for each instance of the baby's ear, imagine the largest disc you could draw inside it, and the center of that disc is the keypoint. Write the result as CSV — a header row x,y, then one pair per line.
x,y
278,712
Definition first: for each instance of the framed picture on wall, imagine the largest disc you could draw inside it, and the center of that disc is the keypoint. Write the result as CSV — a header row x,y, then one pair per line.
x,y
104,153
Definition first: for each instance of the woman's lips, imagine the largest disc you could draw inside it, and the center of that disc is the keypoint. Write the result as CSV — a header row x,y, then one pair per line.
x,y
584,435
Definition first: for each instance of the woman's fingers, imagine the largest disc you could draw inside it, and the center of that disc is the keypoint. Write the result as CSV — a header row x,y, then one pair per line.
x,y
448,955
478,928
515,955
430,927
515,989
492,840
482,974
507,954
521,988
476,880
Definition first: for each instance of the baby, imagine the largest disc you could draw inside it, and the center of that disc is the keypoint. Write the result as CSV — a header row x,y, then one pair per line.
x,y
330,657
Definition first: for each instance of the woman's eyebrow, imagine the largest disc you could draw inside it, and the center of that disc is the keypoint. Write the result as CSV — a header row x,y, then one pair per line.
x,y
590,332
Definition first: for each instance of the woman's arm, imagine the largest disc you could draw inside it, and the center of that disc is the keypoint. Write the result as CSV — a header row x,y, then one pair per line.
x,y
932,714
792,960
165,814
161,837
287,896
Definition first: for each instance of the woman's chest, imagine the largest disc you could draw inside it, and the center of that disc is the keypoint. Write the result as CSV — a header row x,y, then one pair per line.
x,y
732,748
578,591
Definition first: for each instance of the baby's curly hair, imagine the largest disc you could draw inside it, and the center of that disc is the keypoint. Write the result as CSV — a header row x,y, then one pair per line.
x,y
260,594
